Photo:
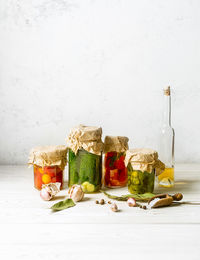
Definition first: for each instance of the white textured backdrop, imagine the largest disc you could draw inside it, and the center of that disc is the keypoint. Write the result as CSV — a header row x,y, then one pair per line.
x,y
98,63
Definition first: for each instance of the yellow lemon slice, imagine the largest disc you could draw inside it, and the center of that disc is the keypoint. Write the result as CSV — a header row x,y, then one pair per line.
x,y
166,182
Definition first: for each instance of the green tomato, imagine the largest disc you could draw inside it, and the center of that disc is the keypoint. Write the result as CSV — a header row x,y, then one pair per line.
x,y
84,186
90,187
87,187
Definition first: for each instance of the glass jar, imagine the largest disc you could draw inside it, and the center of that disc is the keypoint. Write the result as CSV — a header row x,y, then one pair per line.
x,y
85,169
140,182
85,157
47,174
142,166
115,170
48,164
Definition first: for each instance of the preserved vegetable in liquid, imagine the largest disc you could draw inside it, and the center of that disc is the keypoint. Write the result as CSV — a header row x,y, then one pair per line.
x,y
85,169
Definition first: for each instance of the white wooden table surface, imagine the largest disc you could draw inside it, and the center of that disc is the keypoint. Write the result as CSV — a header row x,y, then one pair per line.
x,y
29,230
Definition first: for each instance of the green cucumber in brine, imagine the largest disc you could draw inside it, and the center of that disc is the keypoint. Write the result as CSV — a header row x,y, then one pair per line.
x,y
88,170
98,175
73,169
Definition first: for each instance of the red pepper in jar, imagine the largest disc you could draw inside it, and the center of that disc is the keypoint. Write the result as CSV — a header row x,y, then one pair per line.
x,y
115,169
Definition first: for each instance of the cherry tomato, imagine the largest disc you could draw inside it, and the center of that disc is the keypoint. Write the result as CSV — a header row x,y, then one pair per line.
x,y
38,182
50,170
59,177
53,179
46,178
41,170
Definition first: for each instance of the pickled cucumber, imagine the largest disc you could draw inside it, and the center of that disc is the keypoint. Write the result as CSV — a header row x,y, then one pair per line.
x,y
73,176
85,168
140,182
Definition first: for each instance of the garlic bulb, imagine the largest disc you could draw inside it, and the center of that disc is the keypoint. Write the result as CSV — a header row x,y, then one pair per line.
x,y
132,202
48,191
76,193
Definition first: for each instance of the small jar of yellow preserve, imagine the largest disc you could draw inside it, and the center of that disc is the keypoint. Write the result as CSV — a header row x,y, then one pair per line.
x,y
143,165
48,164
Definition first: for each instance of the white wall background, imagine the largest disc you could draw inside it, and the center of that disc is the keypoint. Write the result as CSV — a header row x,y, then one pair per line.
x,y
100,62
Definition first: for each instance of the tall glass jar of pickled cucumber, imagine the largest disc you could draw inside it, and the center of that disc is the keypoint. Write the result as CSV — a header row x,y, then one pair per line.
x,y
115,171
143,165
85,157
48,164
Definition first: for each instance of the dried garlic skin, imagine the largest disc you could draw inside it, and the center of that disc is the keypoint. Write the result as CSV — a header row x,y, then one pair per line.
x,y
76,193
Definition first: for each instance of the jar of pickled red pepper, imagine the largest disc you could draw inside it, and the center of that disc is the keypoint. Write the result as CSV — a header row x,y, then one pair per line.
x,y
143,165
115,171
85,157
48,164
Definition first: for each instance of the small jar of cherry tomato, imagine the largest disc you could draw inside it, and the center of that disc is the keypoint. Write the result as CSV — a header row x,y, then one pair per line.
x,y
115,171
48,164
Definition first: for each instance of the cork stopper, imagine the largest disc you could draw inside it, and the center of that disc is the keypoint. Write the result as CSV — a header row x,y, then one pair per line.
x,y
167,91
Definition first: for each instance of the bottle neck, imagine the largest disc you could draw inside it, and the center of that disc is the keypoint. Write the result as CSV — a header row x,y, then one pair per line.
x,y
167,111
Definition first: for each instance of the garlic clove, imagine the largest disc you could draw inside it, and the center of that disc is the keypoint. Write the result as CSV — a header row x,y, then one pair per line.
x,y
49,190
52,188
45,195
114,207
131,202
76,193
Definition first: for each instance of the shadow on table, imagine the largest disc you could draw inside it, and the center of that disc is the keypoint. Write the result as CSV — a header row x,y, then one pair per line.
x,y
59,197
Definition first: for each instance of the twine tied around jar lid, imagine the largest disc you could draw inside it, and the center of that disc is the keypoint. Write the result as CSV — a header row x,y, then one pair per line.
x,y
87,138
51,155
117,144
144,160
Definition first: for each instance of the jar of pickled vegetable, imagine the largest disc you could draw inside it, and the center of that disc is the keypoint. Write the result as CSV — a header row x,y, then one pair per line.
x,y
48,164
142,165
85,157
115,171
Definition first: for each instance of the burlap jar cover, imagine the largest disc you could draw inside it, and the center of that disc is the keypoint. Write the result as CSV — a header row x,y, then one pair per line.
x,y
117,144
54,155
87,138
144,160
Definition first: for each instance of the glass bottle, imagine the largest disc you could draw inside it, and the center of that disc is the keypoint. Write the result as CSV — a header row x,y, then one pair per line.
x,y
166,178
